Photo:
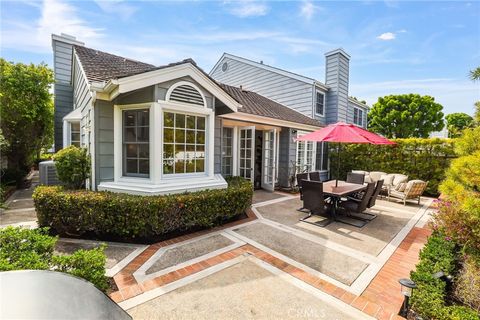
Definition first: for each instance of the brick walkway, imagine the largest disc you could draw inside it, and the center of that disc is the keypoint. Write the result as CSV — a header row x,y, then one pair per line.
x,y
382,298
385,288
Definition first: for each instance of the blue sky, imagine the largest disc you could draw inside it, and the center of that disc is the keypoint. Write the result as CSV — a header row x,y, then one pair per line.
x,y
395,46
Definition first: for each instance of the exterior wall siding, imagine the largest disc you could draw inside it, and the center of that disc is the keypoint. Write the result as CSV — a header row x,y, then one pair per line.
x,y
290,92
82,98
104,141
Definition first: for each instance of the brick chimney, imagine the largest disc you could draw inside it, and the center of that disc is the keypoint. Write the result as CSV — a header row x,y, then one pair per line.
x,y
62,46
336,77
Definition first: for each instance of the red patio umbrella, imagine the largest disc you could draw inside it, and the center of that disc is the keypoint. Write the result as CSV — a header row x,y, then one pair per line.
x,y
341,132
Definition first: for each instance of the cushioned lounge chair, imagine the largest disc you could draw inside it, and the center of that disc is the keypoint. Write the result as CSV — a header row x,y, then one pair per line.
x,y
413,191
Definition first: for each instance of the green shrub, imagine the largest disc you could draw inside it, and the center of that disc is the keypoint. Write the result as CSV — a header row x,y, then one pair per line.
x,y
87,264
467,288
429,299
424,159
469,142
73,166
25,249
132,216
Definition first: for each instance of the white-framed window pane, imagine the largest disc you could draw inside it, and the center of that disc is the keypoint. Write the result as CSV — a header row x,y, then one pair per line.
x,y
227,152
75,134
136,142
305,156
358,116
319,103
183,143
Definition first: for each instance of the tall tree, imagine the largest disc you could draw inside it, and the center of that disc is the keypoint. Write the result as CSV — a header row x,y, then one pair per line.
x,y
26,110
406,116
475,74
457,122
476,115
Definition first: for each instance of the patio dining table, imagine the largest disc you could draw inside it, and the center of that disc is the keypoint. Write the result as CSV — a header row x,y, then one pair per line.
x,y
336,192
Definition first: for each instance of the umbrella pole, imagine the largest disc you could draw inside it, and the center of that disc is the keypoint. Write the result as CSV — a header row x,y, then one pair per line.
x,y
338,164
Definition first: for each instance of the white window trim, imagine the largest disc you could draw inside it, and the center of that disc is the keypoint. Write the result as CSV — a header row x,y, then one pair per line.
x,y
156,175
353,116
67,132
185,83
315,104
314,151
118,143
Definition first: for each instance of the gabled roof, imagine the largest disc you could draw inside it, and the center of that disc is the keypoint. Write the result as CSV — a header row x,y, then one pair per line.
x,y
272,69
255,104
103,66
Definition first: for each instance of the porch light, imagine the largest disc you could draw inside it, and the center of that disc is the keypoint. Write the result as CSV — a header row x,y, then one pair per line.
x,y
407,287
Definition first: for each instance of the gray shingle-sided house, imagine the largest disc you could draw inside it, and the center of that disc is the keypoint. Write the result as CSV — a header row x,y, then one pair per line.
x,y
174,128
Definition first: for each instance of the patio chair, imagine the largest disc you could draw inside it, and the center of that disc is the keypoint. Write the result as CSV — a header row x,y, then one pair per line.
x,y
413,190
375,194
314,176
355,178
313,198
300,178
356,207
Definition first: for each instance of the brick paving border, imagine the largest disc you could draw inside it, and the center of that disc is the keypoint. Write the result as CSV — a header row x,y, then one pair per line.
x,y
381,299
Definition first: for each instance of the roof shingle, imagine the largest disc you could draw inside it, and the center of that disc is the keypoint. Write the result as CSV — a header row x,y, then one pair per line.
x,y
253,103
103,66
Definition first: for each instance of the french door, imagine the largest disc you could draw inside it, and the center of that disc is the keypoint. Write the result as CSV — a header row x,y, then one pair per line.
x,y
246,152
269,159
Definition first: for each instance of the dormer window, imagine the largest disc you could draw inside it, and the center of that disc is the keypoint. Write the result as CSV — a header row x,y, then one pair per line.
x,y
320,104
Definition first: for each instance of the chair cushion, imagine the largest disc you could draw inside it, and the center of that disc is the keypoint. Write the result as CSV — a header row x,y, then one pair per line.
x,y
376,175
368,179
387,179
415,188
401,187
360,172
399,178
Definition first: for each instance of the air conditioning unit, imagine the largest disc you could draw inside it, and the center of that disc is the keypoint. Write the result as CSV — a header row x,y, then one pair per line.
x,y
48,173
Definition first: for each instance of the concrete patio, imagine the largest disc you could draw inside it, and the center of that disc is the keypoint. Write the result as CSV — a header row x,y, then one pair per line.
x,y
252,268
215,274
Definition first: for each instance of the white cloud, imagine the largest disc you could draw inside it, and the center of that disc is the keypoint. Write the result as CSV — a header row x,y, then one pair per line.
x,y
308,9
119,7
55,17
248,8
386,36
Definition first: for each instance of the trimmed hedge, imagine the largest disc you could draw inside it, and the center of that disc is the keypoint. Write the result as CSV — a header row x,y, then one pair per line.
x,y
424,159
25,249
124,216
430,299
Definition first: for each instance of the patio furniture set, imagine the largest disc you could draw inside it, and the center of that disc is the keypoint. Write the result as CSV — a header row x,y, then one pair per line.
x,y
343,201
347,201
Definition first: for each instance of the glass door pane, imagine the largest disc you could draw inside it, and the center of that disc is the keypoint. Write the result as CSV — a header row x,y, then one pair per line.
x,y
269,159
246,152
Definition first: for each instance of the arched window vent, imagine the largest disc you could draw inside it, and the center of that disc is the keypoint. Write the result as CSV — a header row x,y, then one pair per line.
x,y
185,92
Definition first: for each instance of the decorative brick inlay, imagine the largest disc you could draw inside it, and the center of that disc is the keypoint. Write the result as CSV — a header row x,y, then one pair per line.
x,y
384,288
382,298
